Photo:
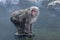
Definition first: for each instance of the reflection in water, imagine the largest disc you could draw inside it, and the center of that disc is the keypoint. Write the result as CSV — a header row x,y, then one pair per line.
x,y
26,38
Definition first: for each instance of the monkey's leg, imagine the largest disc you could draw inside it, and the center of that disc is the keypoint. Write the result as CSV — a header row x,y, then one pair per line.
x,y
18,30
31,33
23,27
27,28
30,28
19,27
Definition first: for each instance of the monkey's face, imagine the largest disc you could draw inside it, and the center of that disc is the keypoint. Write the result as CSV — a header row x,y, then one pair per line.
x,y
34,11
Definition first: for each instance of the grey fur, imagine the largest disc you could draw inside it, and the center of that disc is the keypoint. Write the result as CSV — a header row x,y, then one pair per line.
x,y
23,20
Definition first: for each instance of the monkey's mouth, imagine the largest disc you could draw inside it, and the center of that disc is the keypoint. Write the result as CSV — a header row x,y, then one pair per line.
x,y
34,12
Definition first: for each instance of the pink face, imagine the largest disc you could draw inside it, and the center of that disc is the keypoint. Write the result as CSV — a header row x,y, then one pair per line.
x,y
34,12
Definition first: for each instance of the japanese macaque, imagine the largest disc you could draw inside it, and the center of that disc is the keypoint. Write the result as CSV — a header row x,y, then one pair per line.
x,y
24,18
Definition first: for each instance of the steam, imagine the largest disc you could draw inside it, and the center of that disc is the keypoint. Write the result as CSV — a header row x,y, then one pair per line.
x,y
3,1
11,5
9,1
38,2
15,1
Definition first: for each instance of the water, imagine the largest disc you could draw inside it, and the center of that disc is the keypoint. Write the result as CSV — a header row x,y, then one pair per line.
x,y
47,26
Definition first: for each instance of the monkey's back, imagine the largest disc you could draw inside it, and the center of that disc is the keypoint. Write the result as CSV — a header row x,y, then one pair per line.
x,y
18,15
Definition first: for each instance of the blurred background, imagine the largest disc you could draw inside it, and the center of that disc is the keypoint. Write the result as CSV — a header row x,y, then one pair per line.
x,y
47,27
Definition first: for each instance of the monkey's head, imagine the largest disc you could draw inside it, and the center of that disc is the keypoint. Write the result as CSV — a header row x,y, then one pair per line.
x,y
34,11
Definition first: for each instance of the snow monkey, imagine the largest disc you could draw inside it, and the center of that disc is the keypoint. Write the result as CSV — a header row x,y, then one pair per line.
x,y
24,18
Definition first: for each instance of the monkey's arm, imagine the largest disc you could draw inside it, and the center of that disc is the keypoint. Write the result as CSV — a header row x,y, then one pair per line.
x,y
28,20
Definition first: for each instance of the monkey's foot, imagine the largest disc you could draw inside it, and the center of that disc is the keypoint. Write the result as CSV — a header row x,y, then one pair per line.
x,y
30,34
25,34
18,34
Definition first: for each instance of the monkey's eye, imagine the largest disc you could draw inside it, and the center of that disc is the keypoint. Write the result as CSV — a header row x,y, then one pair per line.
x,y
34,11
